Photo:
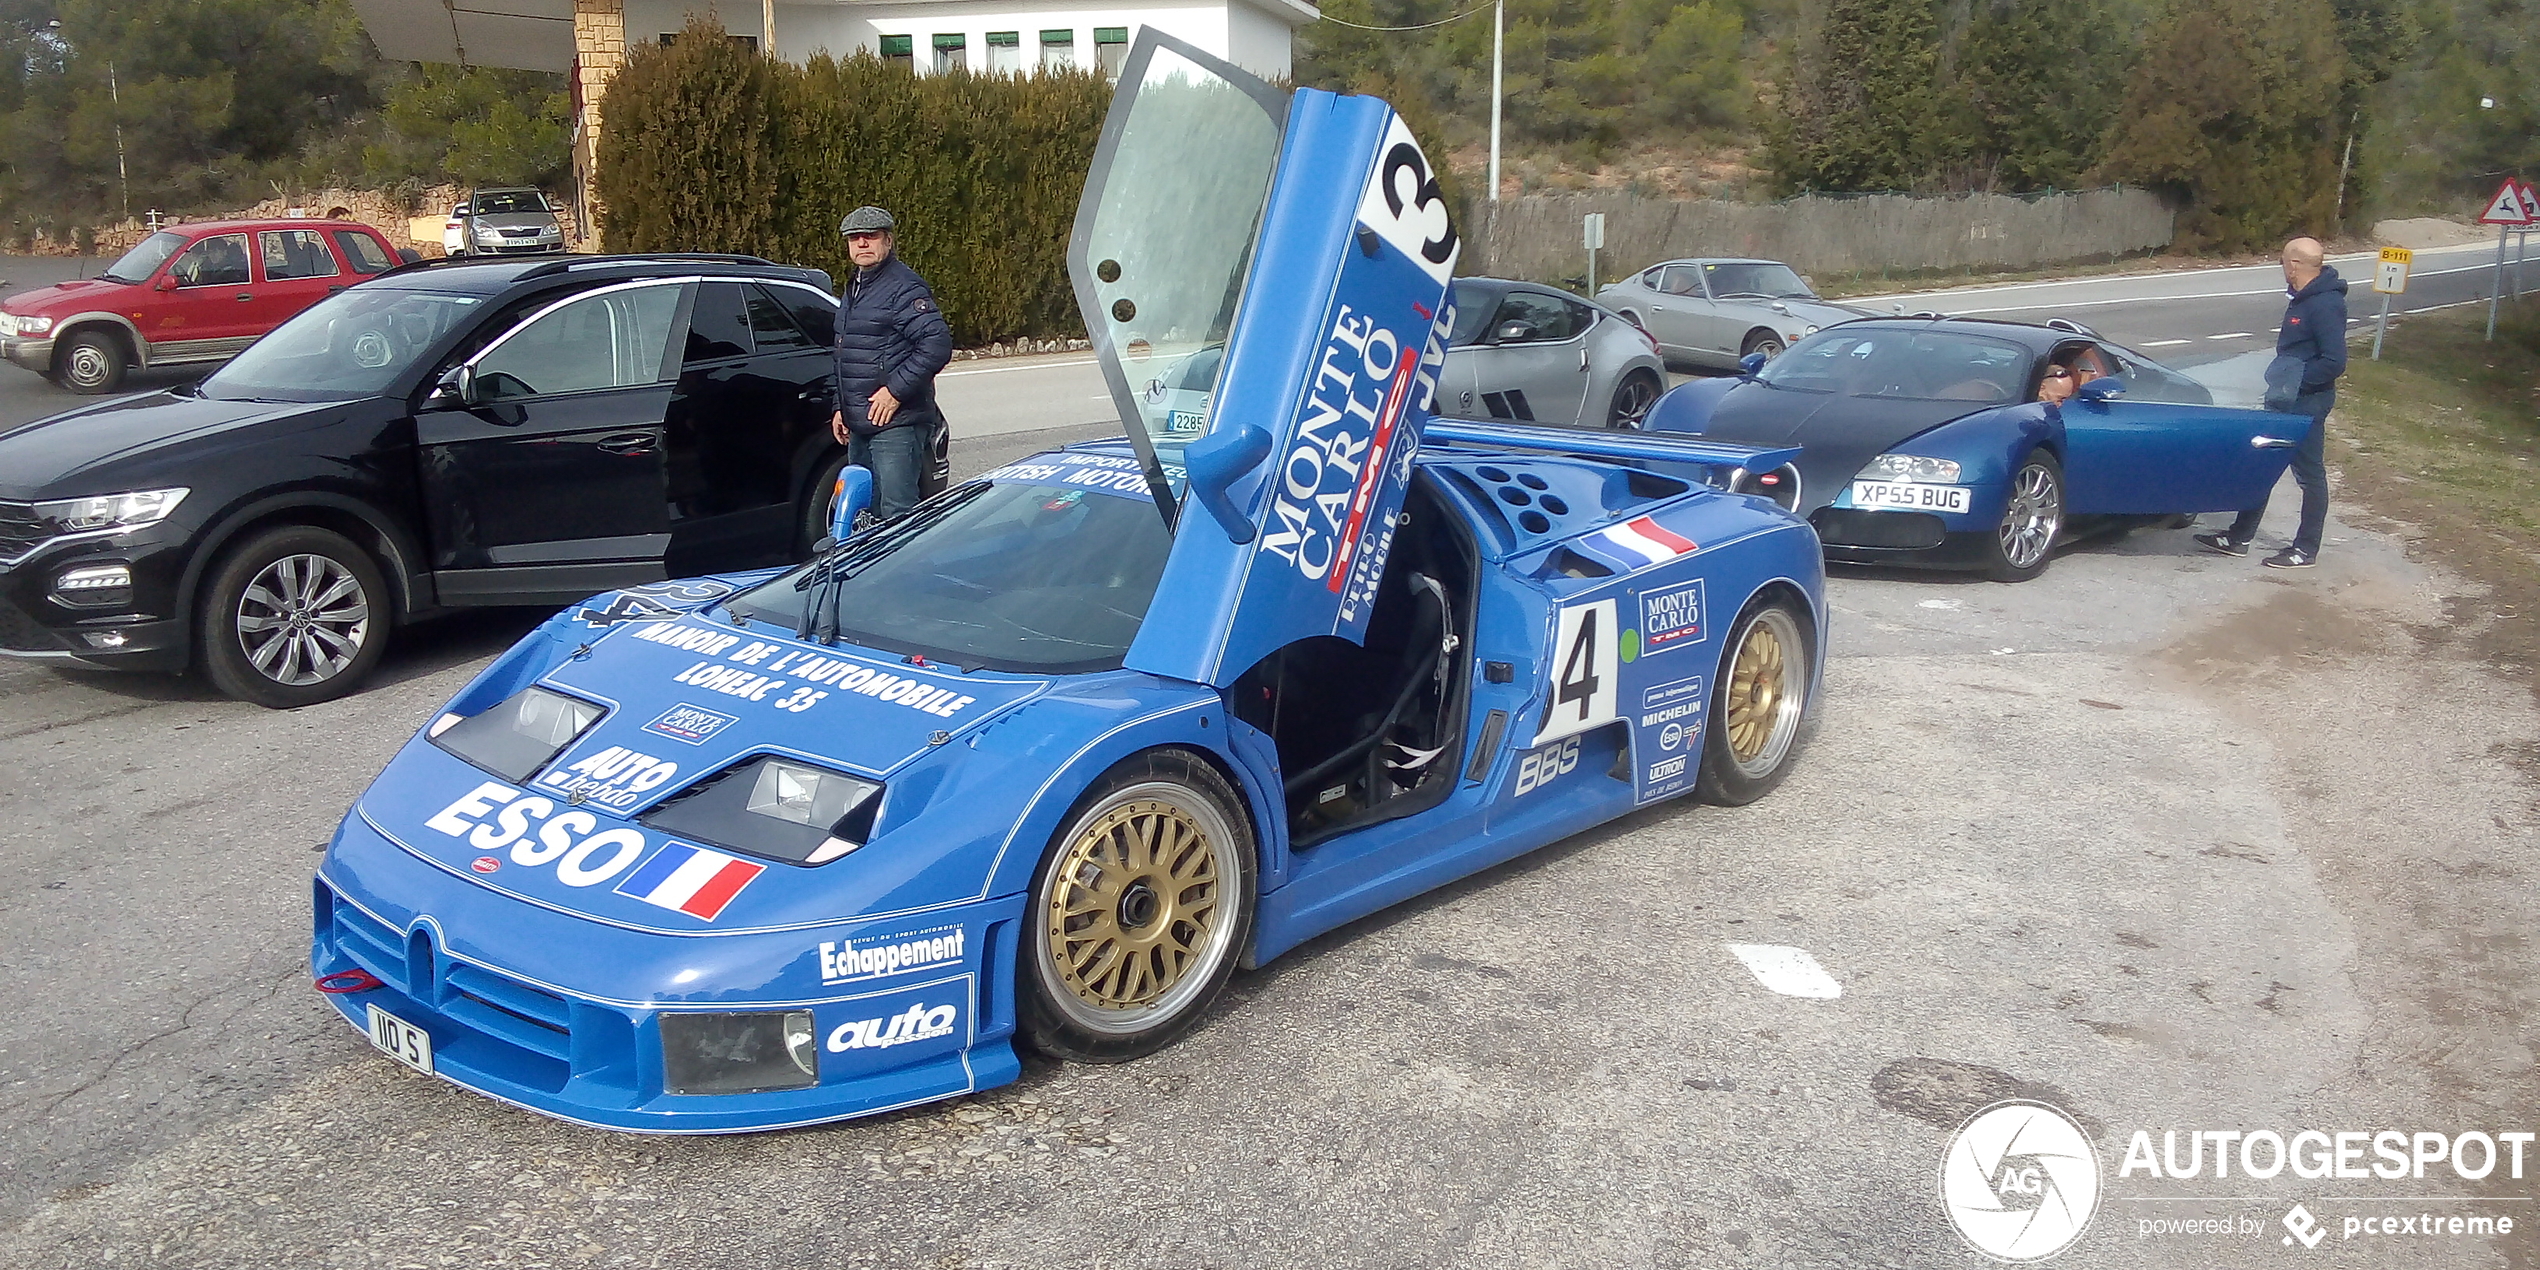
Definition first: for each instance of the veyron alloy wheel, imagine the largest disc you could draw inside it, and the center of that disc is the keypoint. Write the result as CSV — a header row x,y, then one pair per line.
x,y
2032,517
1758,704
294,616
1138,912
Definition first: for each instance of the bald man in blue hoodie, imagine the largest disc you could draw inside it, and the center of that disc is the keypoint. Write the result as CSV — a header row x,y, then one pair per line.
x,y
2310,353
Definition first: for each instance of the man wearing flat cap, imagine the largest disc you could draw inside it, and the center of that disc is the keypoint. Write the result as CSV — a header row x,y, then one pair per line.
x,y
891,340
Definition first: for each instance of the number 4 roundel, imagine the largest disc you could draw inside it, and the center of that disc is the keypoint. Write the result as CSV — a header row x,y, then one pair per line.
x,y
1584,661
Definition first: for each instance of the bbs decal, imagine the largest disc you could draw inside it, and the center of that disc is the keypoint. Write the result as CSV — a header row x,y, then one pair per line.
x,y
1537,769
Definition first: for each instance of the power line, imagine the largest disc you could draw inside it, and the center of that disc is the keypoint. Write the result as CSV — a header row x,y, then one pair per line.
x,y
1422,27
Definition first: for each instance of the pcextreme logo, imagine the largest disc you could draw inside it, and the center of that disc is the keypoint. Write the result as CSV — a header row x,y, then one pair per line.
x,y
2020,1180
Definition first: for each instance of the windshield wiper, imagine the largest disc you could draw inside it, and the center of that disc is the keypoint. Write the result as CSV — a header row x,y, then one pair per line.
x,y
826,578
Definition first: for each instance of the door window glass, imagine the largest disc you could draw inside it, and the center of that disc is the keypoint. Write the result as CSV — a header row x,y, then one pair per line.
x,y
295,253
771,328
1749,280
817,315
217,261
716,327
613,339
1531,317
364,251
1683,280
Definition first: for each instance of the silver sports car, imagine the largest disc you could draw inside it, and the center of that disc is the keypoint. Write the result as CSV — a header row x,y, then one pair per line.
x,y
1714,312
1519,351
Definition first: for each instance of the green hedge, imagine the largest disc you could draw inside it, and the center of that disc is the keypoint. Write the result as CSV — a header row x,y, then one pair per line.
x,y
709,147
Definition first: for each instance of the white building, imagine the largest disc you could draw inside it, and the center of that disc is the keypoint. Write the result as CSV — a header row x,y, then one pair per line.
x,y
588,38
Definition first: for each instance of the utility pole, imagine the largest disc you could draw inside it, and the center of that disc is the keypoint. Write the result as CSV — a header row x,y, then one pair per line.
x,y
767,27
123,179
1498,34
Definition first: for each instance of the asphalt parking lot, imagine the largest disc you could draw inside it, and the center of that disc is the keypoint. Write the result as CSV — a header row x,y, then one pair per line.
x,y
2164,839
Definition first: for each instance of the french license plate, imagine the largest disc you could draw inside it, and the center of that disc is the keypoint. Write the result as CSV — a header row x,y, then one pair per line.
x,y
400,1040
1873,495
1184,422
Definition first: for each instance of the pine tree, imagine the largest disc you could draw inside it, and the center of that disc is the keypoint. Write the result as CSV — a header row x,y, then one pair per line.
x,y
1861,110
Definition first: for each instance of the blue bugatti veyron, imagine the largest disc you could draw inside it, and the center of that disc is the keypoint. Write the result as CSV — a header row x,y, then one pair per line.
x,y
1044,762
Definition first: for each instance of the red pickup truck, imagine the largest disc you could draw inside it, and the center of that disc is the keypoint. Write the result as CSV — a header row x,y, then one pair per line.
x,y
189,293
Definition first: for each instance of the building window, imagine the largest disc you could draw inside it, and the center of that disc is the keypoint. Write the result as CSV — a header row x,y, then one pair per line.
x,y
898,51
1058,50
749,42
952,53
1111,47
1005,51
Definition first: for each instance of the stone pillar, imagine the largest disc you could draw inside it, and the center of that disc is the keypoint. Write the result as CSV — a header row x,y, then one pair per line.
x,y
599,48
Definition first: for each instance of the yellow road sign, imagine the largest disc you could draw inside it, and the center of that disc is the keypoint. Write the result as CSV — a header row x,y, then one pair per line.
x,y
2390,276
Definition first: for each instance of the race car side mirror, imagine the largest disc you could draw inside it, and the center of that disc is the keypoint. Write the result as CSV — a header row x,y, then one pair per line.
x,y
1215,462
2104,388
848,499
1751,365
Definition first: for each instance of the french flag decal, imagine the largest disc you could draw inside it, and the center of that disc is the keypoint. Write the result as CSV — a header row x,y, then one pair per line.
x,y
690,880
1654,543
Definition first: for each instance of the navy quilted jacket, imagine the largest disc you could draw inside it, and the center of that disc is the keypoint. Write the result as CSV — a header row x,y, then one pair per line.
x,y
889,334
2314,333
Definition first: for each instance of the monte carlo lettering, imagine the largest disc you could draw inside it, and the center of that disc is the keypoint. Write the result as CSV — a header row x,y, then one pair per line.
x,y
793,678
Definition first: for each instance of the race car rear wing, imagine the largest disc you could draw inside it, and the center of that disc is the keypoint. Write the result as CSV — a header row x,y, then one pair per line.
x,y
1653,447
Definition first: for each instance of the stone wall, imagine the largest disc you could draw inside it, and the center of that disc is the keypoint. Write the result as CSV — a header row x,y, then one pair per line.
x,y
405,221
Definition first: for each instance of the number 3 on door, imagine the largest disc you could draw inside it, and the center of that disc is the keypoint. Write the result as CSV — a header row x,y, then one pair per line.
x,y
1583,670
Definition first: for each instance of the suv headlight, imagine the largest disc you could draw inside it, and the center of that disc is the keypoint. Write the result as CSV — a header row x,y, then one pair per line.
x,y
1911,467
111,511
778,808
520,734
20,324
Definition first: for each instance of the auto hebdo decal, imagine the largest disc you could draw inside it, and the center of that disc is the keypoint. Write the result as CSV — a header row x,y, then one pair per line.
x,y
1339,477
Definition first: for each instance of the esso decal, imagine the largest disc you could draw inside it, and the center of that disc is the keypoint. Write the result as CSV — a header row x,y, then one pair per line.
x,y
538,835
1537,769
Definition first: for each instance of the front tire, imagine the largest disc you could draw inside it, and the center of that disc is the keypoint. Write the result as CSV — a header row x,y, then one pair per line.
x,y
2032,519
291,617
90,362
1632,399
1759,703
1138,913
1765,342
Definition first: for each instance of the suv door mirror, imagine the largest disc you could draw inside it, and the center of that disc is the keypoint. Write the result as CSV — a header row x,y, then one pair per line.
x,y
166,282
455,390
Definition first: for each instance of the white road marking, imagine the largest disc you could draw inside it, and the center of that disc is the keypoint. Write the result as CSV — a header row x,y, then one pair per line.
x,y
1947,605
1002,370
1954,311
2164,343
1788,971
2228,335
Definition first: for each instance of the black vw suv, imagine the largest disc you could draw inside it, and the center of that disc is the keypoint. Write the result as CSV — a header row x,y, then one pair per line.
x,y
445,435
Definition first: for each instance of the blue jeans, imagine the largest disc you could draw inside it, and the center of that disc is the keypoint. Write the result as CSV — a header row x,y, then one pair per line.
x,y
2310,471
892,455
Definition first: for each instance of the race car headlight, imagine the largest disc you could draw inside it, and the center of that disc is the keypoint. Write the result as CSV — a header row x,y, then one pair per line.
x,y
111,511
520,734
1910,467
776,807
750,1053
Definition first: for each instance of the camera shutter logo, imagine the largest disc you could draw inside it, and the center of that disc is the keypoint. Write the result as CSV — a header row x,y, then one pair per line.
x,y
2020,1180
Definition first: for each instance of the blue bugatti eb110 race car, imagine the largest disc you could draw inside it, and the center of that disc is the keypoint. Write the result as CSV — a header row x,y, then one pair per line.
x,y
1044,761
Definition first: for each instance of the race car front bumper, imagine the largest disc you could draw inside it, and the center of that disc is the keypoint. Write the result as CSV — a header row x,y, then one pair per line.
x,y
485,976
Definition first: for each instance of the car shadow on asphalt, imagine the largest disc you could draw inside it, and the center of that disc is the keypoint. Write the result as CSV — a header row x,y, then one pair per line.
x,y
426,648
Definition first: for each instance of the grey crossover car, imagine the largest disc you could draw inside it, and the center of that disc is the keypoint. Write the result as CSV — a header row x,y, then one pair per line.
x,y
1713,313
508,222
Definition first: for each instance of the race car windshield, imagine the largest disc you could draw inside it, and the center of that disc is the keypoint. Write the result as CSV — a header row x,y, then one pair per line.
x,y
1016,576
144,259
350,345
1922,365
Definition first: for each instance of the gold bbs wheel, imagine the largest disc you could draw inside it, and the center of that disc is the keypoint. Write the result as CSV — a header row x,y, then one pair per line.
x,y
1759,704
1139,911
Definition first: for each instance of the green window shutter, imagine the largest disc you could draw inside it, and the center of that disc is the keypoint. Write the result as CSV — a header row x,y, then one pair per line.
x,y
1058,37
1111,35
1005,39
897,45
951,42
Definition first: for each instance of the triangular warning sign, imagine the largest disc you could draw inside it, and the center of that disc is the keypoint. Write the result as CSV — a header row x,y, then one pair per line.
x,y
2530,201
2506,207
